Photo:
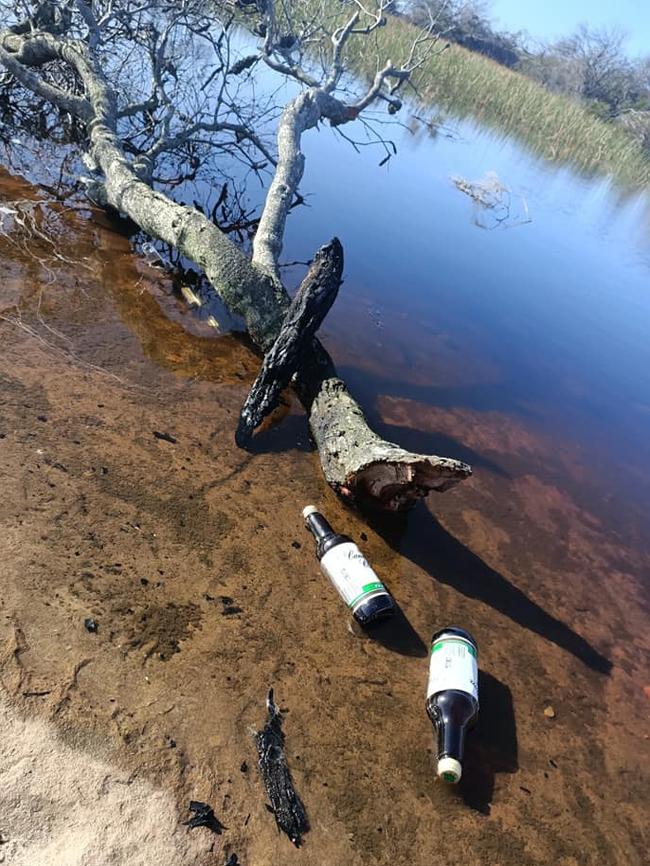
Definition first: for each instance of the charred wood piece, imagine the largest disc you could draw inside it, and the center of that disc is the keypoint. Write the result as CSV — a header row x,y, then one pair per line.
x,y
286,805
204,817
305,315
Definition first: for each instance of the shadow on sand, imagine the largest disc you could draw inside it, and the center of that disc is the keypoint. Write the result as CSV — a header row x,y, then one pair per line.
x,y
491,747
418,536
396,634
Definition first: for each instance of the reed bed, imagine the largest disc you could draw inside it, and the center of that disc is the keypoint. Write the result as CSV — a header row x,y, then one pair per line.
x,y
469,85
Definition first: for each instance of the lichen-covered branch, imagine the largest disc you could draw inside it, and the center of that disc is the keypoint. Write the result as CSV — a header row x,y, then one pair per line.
x,y
355,460
301,114
358,463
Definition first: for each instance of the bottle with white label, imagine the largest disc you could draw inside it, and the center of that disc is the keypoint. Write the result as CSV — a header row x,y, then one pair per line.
x,y
452,696
347,569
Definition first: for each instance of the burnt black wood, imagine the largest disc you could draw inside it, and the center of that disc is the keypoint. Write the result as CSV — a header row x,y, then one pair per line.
x,y
304,317
285,803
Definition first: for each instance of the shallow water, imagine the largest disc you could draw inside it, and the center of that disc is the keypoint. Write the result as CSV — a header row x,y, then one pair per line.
x,y
546,321
522,349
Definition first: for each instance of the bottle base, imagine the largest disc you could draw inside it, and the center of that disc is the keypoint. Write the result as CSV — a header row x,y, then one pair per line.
x,y
375,609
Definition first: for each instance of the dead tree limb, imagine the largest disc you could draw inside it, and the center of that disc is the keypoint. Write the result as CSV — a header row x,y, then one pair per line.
x,y
304,317
357,462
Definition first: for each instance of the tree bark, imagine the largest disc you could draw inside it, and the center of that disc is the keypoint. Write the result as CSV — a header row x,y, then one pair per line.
x,y
358,463
304,317
355,460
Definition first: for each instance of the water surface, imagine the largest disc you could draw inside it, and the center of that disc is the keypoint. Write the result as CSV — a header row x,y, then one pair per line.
x,y
545,320
521,349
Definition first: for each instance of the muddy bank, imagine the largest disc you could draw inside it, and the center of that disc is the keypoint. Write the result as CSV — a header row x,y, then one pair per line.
x,y
192,558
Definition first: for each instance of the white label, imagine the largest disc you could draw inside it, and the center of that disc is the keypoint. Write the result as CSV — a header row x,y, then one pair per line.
x,y
349,572
453,665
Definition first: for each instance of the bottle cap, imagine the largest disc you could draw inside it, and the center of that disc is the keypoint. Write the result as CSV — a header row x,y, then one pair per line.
x,y
309,509
449,770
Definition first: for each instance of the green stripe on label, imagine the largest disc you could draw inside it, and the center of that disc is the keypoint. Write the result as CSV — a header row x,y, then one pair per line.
x,y
369,587
442,643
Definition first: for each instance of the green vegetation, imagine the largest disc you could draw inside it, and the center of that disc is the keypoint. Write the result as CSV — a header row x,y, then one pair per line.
x,y
465,84
470,85
553,125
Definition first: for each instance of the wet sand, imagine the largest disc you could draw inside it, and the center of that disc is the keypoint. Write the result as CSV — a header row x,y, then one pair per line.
x,y
192,558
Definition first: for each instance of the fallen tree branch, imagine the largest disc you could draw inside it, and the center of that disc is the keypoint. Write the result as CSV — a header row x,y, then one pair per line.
x,y
304,317
356,461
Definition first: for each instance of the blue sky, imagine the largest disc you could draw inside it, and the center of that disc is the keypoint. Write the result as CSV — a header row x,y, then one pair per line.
x,y
549,19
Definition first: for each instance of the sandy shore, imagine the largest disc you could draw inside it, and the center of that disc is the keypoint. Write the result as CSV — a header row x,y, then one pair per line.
x,y
62,805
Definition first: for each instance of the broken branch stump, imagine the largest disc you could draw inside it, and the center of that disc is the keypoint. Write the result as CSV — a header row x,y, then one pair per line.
x,y
304,317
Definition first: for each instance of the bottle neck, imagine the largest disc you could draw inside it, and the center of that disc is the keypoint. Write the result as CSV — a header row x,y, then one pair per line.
x,y
325,536
319,527
451,740
453,713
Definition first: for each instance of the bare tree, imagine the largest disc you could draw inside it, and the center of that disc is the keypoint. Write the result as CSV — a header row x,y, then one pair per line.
x,y
607,76
558,72
467,23
157,88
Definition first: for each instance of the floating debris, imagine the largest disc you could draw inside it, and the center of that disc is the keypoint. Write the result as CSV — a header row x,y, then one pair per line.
x,y
495,204
204,817
286,805
549,712
91,624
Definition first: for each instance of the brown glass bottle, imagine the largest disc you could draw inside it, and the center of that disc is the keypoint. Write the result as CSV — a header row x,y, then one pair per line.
x,y
452,696
348,570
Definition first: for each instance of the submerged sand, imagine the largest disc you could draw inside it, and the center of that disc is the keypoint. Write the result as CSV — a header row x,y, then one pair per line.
x,y
192,558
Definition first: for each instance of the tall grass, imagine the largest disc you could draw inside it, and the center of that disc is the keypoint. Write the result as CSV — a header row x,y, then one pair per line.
x,y
471,85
